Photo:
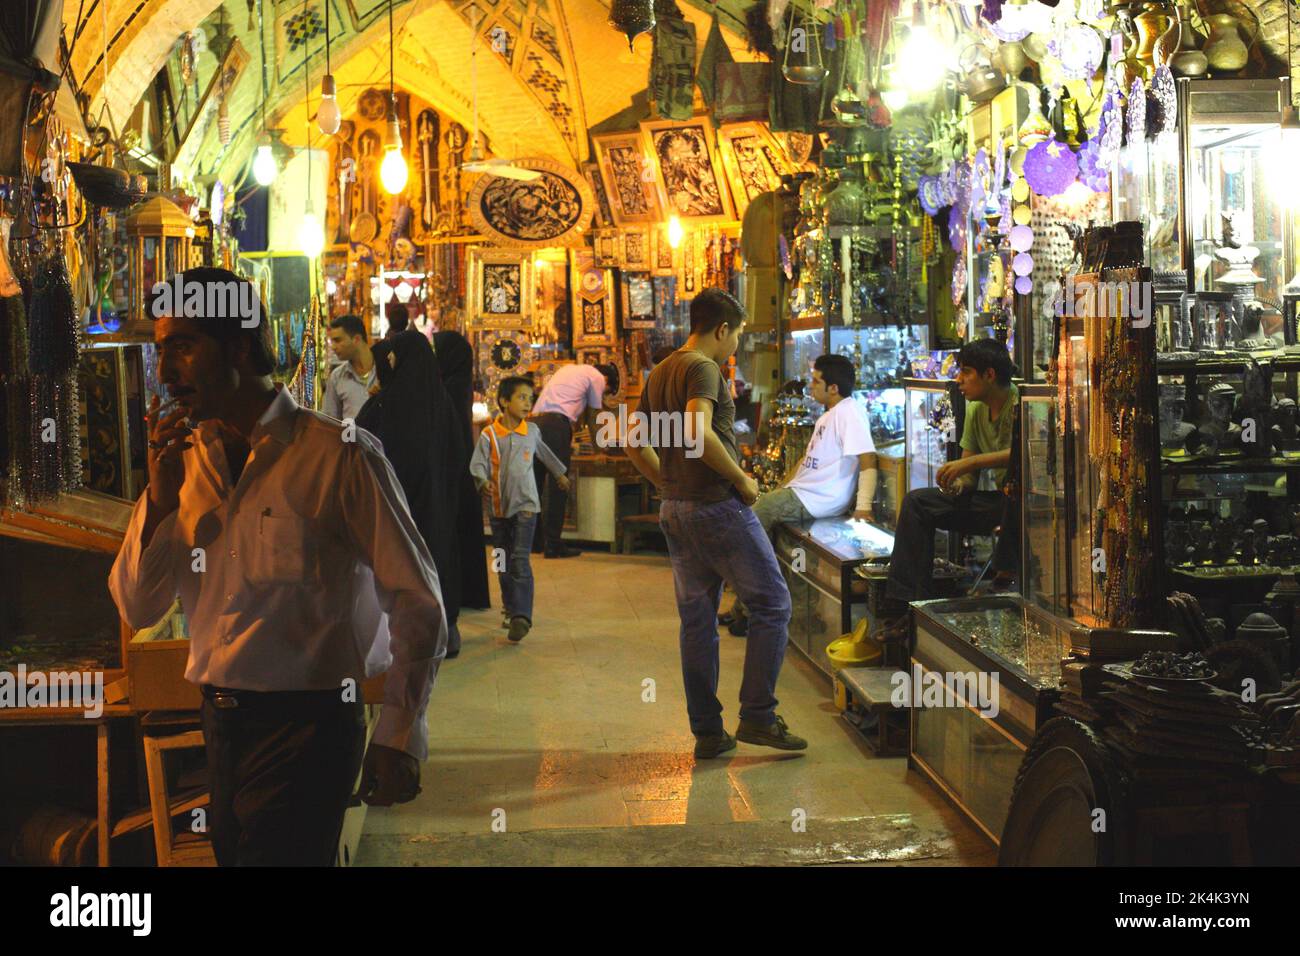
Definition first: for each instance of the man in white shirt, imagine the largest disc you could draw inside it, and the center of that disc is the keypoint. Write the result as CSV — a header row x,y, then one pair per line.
x,y
840,456
574,392
348,387
289,543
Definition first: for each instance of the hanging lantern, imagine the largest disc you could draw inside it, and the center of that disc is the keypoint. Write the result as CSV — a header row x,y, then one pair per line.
x,y
159,233
632,18
802,63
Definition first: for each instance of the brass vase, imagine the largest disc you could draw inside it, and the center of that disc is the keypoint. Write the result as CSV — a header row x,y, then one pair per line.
x,y
1152,25
1187,59
1225,50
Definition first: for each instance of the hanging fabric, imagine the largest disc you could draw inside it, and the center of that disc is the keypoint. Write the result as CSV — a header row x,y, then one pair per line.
x,y
672,68
716,53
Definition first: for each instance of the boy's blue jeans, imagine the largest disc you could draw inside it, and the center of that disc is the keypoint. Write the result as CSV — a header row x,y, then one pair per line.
x,y
513,537
712,542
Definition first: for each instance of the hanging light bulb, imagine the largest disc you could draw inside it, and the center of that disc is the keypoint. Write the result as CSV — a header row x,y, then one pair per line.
x,y
311,235
264,166
392,171
920,62
675,232
328,117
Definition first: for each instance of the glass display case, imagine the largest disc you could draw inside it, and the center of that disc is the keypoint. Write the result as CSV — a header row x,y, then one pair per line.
x,y
1042,502
800,347
1146,189
934,415
984,675
827,599
1229,448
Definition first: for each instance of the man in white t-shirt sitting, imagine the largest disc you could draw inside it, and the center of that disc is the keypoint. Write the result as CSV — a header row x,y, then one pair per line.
x,y
840,457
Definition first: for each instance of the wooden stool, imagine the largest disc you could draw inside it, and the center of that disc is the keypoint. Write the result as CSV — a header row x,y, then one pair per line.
x,y
633,525
868,690
185,849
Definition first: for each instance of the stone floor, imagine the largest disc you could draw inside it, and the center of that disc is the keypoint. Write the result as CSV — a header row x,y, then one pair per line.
x,y
573,748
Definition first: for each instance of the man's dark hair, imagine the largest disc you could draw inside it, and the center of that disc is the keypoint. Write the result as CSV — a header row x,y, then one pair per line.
x,y
350,324
985,354
398,317
507,387
226,329
837,370
714,307
612,380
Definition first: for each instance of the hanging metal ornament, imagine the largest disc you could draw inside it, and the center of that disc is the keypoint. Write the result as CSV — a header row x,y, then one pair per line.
x,y
223,115
1136,112
632,18
1162,88
188,57
803,39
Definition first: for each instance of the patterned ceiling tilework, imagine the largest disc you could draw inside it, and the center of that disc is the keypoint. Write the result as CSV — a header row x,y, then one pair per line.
x,y
530,37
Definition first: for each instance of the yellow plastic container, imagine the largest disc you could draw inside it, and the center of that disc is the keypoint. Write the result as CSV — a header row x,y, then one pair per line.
x,y
854,649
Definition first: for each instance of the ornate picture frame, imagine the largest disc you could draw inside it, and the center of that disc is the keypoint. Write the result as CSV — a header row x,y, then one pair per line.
x,y
638,296
607,246
688,175
662,258
627,173
635,252
753,160
500,289
592,289
604,217
559,204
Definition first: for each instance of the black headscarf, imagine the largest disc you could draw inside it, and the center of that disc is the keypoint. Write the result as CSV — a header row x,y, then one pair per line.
x,y
413,416
456,361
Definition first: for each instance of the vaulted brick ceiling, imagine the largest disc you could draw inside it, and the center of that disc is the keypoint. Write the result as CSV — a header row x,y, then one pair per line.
x,y
563,67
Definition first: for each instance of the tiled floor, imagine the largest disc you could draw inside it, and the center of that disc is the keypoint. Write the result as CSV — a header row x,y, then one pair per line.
x,y
573,748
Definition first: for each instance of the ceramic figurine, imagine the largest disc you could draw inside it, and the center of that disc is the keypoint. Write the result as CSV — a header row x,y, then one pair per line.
x,y
1204,546
1221,435
1224,541
1247,555
1175,434
1260,527
1283,431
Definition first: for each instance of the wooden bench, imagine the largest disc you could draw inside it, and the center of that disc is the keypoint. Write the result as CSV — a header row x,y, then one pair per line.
x,y
867,691
633,526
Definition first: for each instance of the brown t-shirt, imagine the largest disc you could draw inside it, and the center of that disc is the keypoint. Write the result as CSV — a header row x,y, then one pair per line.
x,y
684,375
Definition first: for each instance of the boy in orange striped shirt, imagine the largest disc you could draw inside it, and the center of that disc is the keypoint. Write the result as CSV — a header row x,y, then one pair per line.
x,y
502,467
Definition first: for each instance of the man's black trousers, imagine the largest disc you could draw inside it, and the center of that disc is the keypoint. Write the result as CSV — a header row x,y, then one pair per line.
x,y
281,769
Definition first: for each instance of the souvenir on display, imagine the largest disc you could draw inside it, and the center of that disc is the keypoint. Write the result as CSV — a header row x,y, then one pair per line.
x,y
1050,167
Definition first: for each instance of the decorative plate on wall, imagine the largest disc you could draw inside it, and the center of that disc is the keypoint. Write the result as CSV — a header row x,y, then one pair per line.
x,y
554,209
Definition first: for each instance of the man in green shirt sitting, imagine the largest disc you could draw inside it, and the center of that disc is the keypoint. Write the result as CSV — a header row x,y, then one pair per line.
x,y
956,505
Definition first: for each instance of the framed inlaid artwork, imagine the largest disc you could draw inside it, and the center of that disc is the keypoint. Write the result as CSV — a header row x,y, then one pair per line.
x,y
606,246
501,289
603,218
628,176
636,250
593,302
661,251
689,178
638,300
752,159
554,209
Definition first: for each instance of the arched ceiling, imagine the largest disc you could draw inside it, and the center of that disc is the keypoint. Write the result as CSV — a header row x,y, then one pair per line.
x,y
547,69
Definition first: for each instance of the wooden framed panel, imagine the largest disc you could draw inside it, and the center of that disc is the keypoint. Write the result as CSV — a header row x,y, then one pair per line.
x,y
638,300
628,177
593,302
501,289
636,251
689,178
752,159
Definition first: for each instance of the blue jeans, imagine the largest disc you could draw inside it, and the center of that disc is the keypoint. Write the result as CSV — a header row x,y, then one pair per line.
x,y
512,538
712,542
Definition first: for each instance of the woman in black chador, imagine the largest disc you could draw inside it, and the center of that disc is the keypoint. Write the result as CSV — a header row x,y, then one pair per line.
x,y
456,360
414,417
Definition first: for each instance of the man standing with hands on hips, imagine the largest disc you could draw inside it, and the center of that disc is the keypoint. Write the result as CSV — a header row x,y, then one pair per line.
x,y
713,535
288,540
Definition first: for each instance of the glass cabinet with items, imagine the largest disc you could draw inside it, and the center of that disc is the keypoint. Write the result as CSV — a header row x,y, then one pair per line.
x,y
1042,502
934,415
818,559
983,676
